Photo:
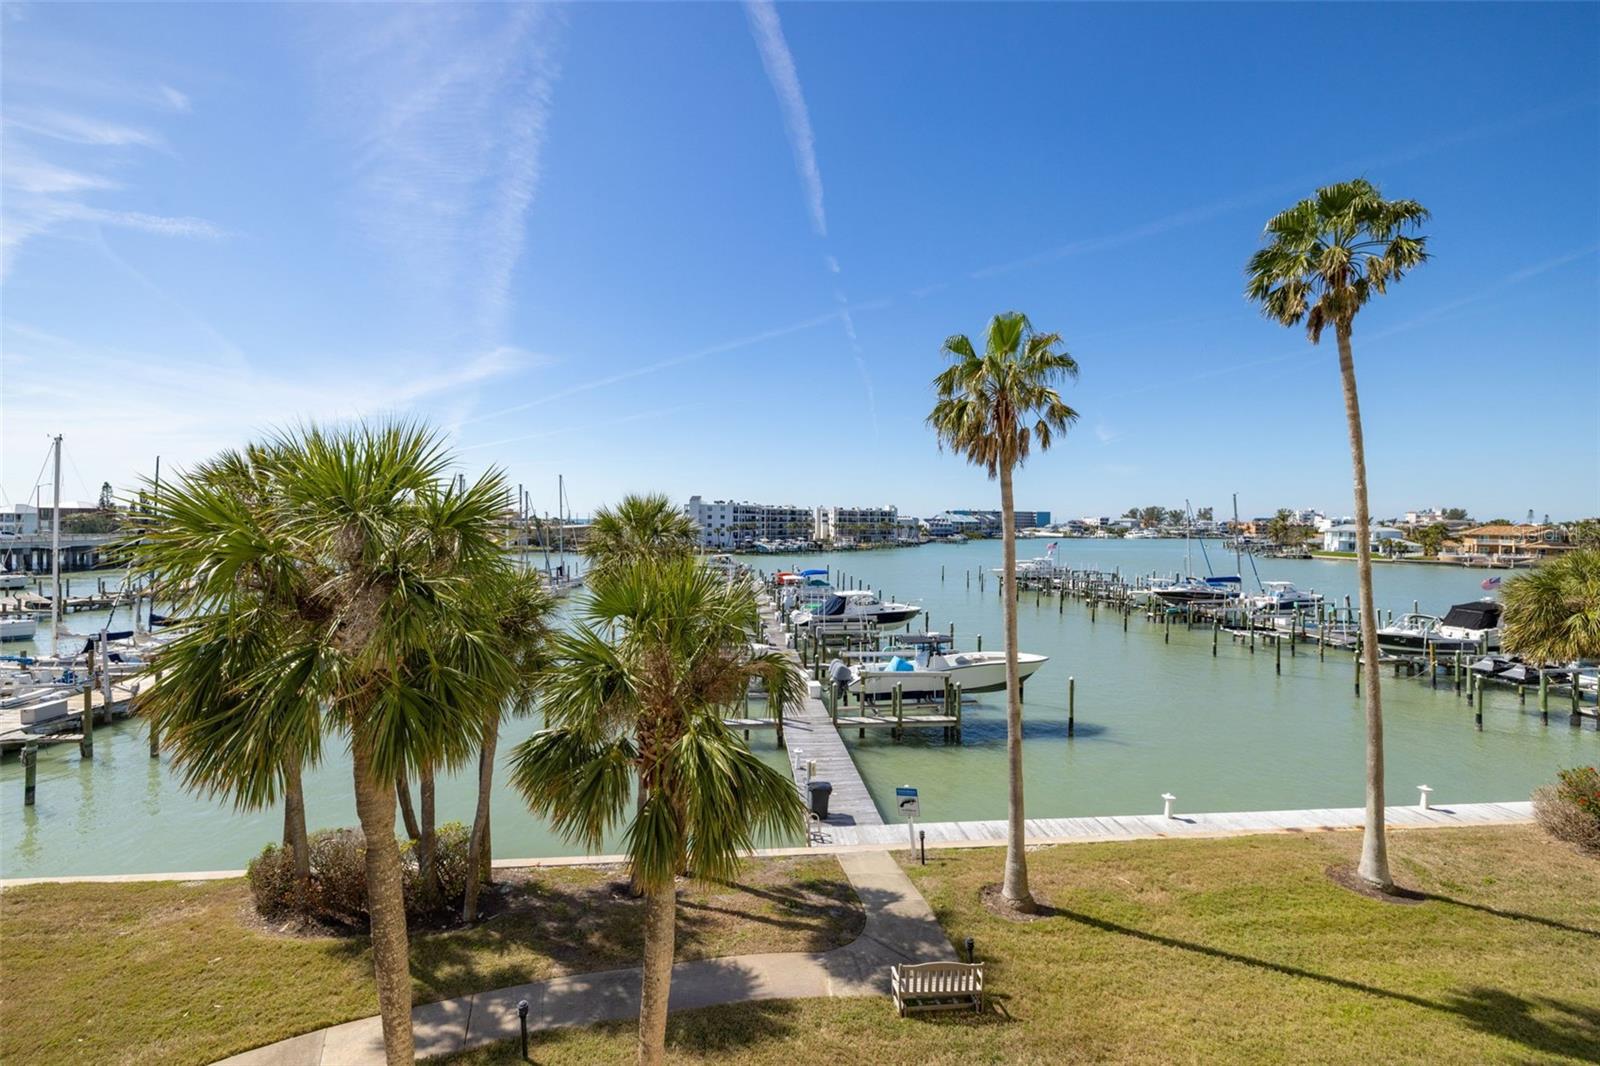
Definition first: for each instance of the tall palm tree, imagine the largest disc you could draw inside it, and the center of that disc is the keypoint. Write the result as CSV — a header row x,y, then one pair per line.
x,y
638,691
994,409
380,560
1552,613
520,607
640,525
1323,260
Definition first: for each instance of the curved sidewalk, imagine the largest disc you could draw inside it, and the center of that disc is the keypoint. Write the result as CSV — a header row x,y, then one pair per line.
x,y
900,927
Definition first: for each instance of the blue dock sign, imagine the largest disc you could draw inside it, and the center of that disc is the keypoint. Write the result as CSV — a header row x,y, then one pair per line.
x,y
906,801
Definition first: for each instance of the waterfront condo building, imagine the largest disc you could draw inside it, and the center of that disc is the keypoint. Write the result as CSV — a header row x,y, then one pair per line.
x,y
739,523
855,525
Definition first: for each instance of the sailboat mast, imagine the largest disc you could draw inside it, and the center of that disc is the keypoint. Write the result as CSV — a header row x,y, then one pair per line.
x,y
561,522
55,547
1238,563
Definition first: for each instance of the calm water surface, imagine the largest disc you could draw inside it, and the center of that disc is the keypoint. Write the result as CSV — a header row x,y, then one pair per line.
x,y
1222,734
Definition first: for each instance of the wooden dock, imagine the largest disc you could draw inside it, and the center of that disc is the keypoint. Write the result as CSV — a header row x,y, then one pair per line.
x,y
813,740
1153,826
14,735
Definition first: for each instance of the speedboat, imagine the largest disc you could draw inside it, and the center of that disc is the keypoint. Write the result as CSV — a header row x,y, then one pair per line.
x,y
1477,623
1415,634
1198,590
859,605
924,671
1281,597
1141,534
805,590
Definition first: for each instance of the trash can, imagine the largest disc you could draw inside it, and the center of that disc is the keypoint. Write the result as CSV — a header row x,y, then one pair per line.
x,y
820,791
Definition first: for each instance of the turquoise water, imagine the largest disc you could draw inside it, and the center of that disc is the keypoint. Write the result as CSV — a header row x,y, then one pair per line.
x,y
1222,734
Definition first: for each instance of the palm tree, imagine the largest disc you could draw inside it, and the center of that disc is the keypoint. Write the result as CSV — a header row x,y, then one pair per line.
x,y
1552,613
994,409
638,690
258,740
519,606
379,559
647,525
1324,259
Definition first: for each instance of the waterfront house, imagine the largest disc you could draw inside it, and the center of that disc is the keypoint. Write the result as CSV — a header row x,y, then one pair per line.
x,y
1342,538
1511,539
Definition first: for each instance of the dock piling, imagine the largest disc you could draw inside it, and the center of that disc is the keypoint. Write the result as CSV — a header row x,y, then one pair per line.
x,y
1072,701
30,773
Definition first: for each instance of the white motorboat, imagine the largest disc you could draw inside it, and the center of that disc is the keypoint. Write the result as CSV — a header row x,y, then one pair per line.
x,y
858,605
18,627
10,581
1477,623
1141,534
924,672
1467,628
1282,597
1198,590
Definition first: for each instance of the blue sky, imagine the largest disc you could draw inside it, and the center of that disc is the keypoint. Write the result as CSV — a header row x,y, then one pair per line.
x,y
715,249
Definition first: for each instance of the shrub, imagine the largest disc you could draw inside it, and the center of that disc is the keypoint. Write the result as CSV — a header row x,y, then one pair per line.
x,y
338,891
1569,810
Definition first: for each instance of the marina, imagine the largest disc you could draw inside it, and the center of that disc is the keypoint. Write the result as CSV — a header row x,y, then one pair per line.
x,y
1162,702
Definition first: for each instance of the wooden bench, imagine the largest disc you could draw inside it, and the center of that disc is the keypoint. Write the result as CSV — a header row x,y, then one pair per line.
x,y
936,986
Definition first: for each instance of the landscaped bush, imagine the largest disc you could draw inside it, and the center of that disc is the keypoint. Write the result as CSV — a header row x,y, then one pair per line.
x,y
338,890
1570,809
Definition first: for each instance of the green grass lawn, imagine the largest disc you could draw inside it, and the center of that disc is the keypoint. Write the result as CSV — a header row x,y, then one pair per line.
x,y
183,972
1236,950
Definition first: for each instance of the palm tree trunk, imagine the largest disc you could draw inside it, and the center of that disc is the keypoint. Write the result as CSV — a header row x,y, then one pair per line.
x,y
391,962
661,905
294,821
1374,866
1015,888
402,791
478,843
427,841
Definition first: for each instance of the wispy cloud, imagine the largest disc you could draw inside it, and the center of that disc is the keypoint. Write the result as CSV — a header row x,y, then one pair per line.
x,y
79,129
779,61
1104,433
588,426
444,109
41,195
176,100
657,367
223,401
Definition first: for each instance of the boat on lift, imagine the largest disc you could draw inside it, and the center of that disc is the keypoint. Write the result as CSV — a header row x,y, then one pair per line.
x,y
1466,627
1202,590
858,605
1282,597
929,663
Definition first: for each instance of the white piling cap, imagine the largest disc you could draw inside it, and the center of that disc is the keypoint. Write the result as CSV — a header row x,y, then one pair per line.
x,y
1168,796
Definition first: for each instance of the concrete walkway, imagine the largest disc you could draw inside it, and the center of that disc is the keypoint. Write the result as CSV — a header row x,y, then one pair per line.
x,y
1154,826
900,927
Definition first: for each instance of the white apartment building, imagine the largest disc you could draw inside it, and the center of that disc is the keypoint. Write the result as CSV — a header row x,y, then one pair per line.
x,y
855,525
739,523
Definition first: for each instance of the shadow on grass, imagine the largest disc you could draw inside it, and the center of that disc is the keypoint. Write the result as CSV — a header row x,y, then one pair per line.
x,y
1514,916
580,931
1493,1011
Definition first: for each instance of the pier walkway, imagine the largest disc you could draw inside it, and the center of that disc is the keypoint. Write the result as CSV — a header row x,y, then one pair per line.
x,y
811,736
1153,826
900,927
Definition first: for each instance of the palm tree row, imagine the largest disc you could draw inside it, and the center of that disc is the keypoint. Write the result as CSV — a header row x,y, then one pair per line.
x,y
337,584
1324,260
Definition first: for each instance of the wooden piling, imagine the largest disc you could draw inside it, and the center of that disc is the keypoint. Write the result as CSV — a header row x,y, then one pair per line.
x,y
1072,701
1277,647
1544,697
30,773
1216,631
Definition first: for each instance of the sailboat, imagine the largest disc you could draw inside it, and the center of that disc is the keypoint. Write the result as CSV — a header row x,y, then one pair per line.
x,y
1190,589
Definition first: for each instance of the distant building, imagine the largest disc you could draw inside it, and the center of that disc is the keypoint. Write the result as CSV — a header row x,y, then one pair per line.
x,y
951,523
19,520
855,525
739,524
1342,538
1509,539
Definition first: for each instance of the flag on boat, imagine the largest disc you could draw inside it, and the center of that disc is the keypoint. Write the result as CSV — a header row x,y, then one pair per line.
x,y
1490,583
1050,552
